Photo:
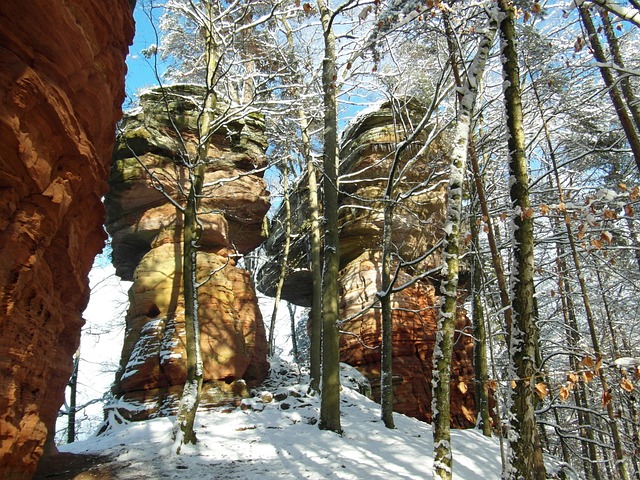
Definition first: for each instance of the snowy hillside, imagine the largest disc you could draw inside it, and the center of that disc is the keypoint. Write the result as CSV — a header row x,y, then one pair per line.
x,y
274,435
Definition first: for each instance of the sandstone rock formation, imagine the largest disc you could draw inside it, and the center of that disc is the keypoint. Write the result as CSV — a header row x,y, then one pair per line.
x,y
61,89
147,249
367,151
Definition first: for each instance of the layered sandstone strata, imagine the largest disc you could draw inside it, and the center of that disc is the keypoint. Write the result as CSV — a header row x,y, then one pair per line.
x,y
148,180
61,89
368,150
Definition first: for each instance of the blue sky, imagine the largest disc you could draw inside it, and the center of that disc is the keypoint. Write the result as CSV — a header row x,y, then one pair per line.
x,y
140,70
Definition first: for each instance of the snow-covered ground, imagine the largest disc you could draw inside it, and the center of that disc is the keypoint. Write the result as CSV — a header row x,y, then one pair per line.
x,y
280,439
277,439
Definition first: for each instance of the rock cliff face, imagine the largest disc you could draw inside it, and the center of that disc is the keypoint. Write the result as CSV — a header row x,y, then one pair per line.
x,y
147,249
61,88
367,152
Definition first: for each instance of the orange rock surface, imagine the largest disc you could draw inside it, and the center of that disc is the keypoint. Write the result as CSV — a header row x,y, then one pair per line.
x,y
415,315
61,89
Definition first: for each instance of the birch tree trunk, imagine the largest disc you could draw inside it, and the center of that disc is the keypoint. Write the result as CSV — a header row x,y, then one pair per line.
x,y
441,404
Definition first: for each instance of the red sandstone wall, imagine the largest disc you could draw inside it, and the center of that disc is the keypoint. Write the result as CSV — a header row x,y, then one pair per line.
x,y
61,89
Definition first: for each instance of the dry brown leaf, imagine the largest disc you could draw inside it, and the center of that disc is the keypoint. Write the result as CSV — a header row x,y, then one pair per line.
x,y
610,214
542,390
626,385
598,366
564,393
606,236
587,376
597,243
544,209
628,210
573,377
606,398
513,384
587,362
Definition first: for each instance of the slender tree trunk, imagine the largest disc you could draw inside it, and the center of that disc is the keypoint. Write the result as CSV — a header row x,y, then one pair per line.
x,y
386,287
441,403
284,265
625,84
294,335
73,404
316,266
330,399
610,81
183,431
525,456
315,254
190,400
386,371
496,258
480,364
